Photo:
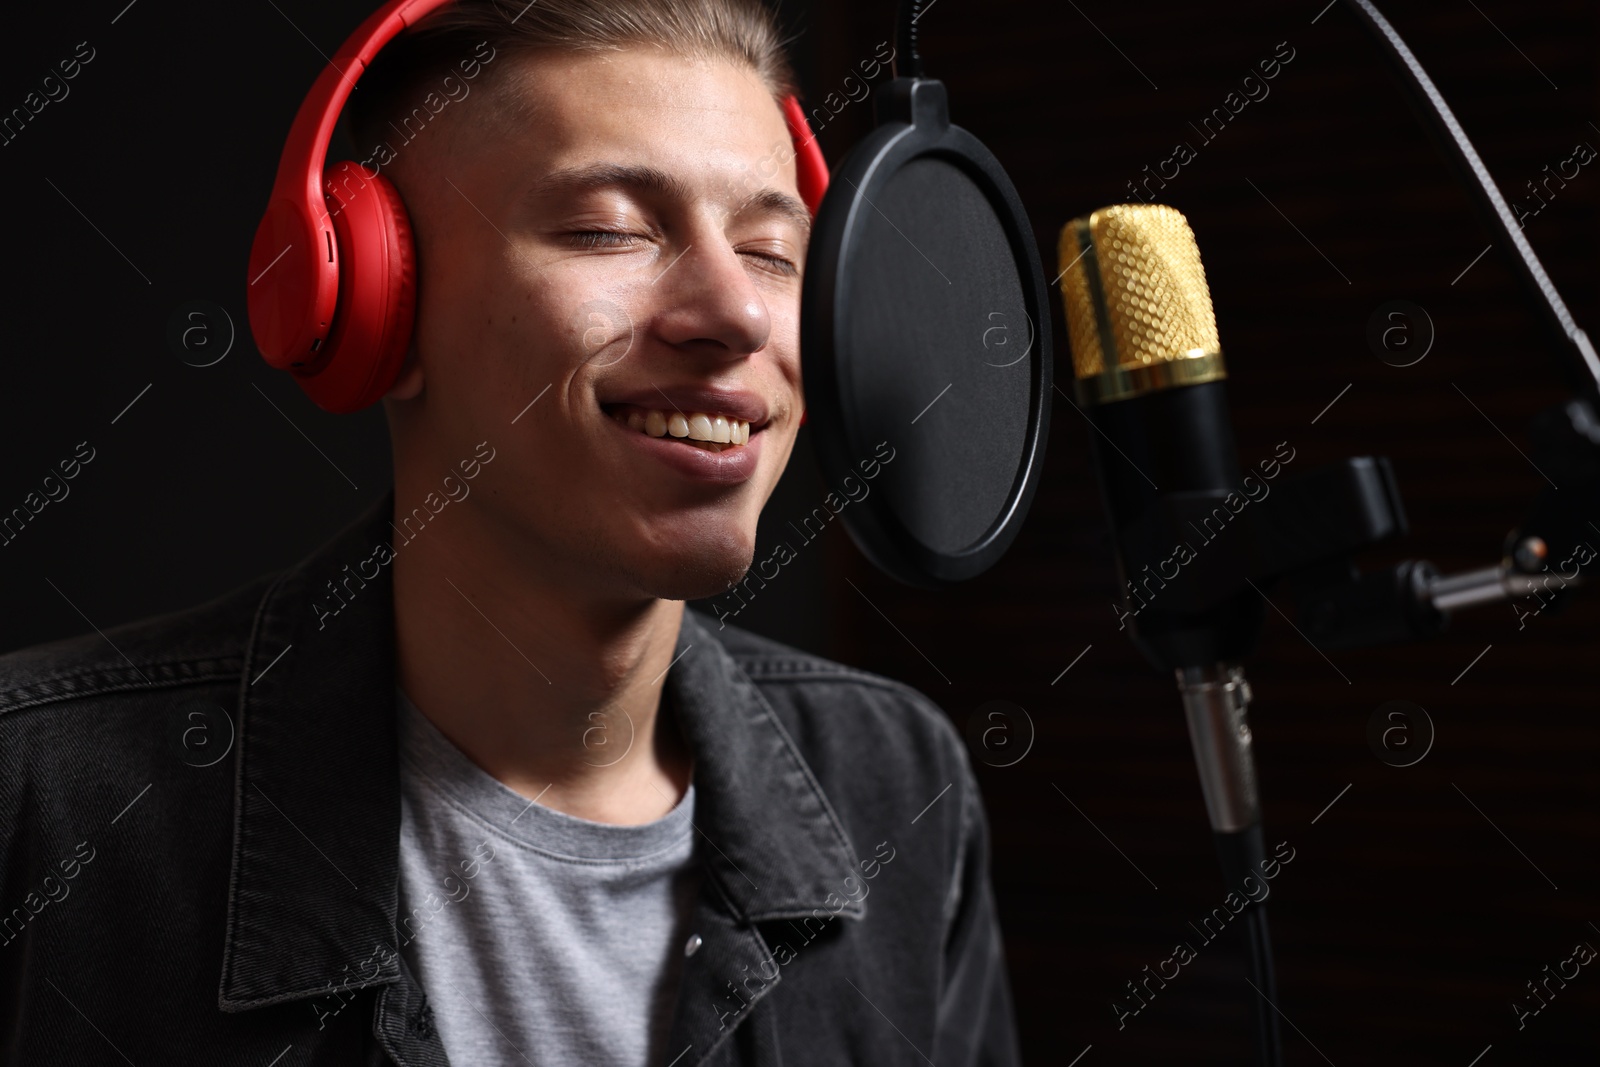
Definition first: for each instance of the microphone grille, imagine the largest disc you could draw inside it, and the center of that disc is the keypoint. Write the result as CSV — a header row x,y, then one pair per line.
x,y
1138,310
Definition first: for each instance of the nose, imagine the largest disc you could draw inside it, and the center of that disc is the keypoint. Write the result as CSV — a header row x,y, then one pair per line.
x,y
709,302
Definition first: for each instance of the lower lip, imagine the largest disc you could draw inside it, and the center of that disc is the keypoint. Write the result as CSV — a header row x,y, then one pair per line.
x,y
728,467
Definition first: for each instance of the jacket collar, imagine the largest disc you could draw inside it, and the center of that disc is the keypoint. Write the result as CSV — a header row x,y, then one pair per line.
x,y
313,892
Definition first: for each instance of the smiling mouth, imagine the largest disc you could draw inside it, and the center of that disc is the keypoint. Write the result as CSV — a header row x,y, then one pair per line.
x,y
704,430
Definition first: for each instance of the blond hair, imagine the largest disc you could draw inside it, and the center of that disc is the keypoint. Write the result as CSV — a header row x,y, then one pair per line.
x,y
744,31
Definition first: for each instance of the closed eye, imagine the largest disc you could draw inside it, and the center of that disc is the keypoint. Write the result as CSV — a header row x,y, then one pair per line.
x,y
604,238
779,263
623,239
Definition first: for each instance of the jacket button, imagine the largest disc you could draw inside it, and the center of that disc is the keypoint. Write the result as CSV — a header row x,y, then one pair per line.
x,y
693,945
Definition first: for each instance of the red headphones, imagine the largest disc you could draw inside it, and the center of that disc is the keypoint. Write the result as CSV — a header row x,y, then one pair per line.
x,y
332,285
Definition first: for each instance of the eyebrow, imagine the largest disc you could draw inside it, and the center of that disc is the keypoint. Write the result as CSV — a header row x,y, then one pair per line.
x,y
653,182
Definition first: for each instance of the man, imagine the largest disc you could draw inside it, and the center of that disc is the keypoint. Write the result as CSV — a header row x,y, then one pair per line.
x,y
468,784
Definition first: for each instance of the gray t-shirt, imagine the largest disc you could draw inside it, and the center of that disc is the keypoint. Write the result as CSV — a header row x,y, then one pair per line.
x,y
539,938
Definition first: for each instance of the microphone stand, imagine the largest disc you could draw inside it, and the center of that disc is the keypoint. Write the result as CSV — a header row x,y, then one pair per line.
x,y
1307,531
1215,701
1306,534
1337,605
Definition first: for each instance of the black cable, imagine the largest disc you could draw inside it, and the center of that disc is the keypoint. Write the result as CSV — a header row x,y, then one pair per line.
x,y
1243,854
1264,1016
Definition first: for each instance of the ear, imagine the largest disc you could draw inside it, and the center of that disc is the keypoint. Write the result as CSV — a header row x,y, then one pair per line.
x,y
408,383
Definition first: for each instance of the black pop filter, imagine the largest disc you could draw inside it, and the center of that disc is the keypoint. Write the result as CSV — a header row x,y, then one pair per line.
x,y
927,341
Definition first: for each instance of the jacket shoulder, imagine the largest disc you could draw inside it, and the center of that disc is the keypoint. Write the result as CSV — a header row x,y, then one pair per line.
x,y
877,746
776,667
200,643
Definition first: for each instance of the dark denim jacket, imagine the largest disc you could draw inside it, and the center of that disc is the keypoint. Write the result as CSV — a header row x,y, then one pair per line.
x,y
199,821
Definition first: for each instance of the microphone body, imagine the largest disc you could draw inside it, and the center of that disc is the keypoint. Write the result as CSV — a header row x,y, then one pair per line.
x,y
1148,369
1166,461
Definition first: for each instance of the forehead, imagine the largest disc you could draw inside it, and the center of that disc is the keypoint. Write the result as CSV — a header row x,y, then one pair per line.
x,y
710,122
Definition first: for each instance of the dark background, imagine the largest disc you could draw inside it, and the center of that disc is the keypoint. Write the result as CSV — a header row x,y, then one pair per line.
x,y
1408,922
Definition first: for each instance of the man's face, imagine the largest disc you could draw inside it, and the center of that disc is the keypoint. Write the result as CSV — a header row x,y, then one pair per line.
x,y
614,256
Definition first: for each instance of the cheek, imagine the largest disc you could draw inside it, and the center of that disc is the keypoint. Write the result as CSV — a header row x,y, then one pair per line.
x,y
462,312
591,309
597,331
783,344
501,332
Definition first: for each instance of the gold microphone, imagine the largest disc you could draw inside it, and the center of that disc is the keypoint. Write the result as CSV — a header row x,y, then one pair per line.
x,y
1138,311
1150,379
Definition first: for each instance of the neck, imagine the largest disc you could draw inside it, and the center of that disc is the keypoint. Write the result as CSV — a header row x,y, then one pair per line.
x,y
555,693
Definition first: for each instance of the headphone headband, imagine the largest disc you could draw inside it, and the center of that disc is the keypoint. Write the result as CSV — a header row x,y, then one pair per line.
x,y
305,154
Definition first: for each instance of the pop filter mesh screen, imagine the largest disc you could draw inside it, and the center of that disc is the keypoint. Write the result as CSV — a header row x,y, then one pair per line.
x,y
941,351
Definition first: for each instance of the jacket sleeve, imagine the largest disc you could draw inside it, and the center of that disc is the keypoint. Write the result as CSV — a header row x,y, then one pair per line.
x,y
976,1024
16,946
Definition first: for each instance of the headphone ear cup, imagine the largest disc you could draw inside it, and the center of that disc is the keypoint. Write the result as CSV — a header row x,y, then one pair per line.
x,y
811,170
376,308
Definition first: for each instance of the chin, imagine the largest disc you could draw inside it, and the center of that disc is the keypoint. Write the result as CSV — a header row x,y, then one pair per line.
x,y
700,570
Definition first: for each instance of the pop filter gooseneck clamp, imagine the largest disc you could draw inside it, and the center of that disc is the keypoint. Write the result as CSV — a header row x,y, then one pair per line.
x,y
926,336
1340,608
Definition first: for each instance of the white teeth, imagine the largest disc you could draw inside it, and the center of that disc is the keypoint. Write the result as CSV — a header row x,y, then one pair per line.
x,y
696,426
